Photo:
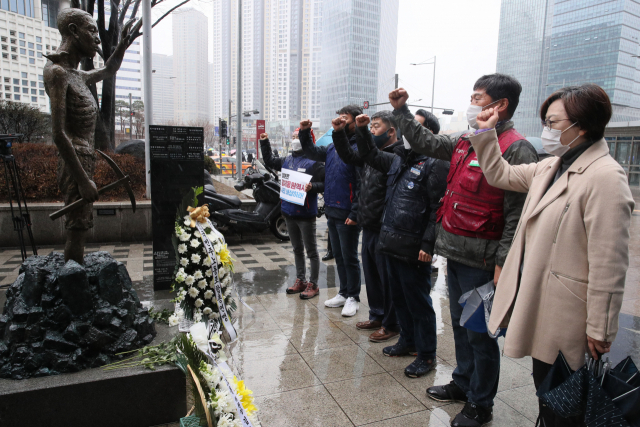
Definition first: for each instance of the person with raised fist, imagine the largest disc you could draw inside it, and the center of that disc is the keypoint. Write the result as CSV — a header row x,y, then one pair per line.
x,y
383,321
341,191
301,220
476,225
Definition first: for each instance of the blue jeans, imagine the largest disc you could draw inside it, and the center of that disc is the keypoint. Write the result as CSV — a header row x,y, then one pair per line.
x,y
410,288
344,243
376,278
477,354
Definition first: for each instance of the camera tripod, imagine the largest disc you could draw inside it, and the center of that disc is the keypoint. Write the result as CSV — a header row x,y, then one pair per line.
x,y
21,218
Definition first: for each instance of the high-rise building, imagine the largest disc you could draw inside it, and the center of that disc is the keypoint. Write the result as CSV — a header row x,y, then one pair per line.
x,y
163,82
190,66
28,29
548,44
356,53
292,62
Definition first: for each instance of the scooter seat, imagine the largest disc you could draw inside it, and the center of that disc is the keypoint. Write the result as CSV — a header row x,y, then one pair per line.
x,y
232,200
243,216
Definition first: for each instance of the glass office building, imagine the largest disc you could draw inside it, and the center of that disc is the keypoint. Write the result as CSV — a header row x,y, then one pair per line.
x,y
548,44
354,58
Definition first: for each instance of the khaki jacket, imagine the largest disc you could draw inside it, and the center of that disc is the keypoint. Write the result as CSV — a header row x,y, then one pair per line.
x,y
573,243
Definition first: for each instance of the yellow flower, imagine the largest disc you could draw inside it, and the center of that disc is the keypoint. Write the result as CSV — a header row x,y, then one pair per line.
x,y
245,396
225,255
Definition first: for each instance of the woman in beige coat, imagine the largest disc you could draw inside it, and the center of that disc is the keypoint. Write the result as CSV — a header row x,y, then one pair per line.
x,y
562,283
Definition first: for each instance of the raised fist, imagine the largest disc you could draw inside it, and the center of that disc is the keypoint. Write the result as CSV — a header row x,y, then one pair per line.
x,y
264,136
487,119
305,124
338,124
398,97
362,120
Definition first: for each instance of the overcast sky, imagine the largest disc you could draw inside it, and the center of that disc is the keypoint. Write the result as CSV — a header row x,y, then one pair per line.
x,y
462,34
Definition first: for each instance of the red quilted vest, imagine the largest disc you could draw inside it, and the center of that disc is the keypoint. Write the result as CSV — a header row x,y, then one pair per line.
x,y
470,206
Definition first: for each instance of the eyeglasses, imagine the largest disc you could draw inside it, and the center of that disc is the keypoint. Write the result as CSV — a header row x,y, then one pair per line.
x,y
548,123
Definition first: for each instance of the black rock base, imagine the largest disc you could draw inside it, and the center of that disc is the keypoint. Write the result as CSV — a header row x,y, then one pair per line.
x,y
62,318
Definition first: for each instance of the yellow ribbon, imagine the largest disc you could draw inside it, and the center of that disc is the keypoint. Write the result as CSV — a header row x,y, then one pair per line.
x,y
198,214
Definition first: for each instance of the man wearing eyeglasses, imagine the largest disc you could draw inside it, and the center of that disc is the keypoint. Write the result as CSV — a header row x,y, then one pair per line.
x,y
476,225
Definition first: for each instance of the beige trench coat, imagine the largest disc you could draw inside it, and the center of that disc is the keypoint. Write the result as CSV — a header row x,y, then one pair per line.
x,y
573,241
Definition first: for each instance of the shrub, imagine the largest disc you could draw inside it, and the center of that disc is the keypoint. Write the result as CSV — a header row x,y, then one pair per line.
x,y
38,164
211,166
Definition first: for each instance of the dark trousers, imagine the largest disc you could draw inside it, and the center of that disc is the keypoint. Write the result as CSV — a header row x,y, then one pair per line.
x,y
547,417
477,354
410,290
344,243
376,277
302,233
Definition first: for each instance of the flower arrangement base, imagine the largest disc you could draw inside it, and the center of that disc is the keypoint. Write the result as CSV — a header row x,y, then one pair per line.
x,y
65,317
191,421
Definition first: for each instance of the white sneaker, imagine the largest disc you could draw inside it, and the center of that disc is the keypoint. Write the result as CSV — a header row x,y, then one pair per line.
x,y
350,308
337,301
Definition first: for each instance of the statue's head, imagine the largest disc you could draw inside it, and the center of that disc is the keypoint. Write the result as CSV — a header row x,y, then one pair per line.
x,y
78,26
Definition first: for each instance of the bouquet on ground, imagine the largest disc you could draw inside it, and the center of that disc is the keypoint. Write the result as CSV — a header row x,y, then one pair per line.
x,y
202,262
219,397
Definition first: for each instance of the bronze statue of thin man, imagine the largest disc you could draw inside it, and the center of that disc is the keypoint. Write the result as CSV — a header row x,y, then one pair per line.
x,y
74,112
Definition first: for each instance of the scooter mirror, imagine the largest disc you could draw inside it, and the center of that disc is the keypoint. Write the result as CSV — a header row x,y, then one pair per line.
x,y
238,187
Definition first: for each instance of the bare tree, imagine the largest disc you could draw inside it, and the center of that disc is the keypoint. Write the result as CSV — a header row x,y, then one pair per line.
x,y
138,118
109,37
20,118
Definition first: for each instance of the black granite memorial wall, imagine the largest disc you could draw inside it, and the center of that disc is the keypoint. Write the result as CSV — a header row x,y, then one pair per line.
x,y
177,164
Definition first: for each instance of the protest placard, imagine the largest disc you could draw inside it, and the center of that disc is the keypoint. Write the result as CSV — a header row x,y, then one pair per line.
x,y
292,186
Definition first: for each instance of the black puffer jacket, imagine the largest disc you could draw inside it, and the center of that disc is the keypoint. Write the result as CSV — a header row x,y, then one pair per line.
x,y
415,185
373,183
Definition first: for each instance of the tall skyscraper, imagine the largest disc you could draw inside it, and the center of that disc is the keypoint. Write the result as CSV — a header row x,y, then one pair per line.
x,y
292,63
27,31
548,44
355,53
163,82
190,66
225,60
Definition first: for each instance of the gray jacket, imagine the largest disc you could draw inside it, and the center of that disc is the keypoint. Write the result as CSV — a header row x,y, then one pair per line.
x,y
474,252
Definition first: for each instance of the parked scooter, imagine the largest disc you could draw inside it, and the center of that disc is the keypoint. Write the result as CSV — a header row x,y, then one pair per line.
x,y
226,213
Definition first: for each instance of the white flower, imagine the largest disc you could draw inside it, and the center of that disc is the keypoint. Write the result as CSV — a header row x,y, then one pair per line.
x,y
195,258
189,280
180,276
208,273
173,320
202,284
207,311
184,237
212,283
195,243
181,270
184,262
182,248
199,335
199,303
227,280
208,294
212,238
197,316
197,234
197,275
193,292
207,261
187,220
222,272
227,292
217,246
214,315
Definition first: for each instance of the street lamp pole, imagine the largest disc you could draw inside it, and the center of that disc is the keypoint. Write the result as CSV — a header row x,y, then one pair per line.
x,y
239,97
433,89
148,89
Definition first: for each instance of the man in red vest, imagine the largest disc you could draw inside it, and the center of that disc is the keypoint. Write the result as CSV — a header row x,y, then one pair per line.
x,y
476,224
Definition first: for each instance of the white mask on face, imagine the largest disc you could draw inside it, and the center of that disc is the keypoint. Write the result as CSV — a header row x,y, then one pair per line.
x,y
406,143
295,145
551,141
472,114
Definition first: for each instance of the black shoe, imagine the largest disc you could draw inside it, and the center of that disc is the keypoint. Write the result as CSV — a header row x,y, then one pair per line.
x,y
447,393
472,415
328,256
419,367
399,349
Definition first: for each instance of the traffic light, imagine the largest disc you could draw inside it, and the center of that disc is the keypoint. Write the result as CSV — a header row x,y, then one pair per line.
x,y
223,129
227,140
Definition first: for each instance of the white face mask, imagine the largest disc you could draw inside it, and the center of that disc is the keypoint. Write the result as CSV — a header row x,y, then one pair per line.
x,y
295,145
472,114
551,141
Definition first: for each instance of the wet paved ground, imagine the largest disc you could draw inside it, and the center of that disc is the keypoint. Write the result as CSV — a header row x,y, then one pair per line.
x,y
309,366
